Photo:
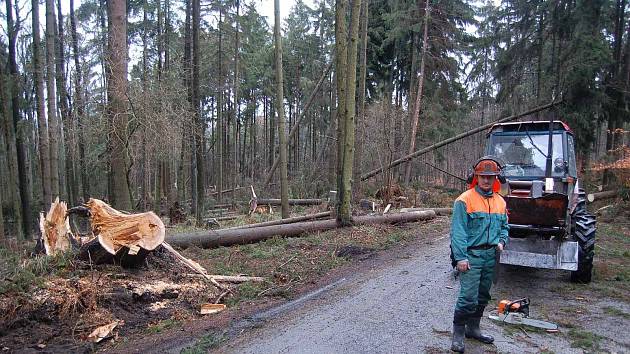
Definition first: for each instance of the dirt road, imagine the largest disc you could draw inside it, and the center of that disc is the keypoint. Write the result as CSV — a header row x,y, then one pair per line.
x,y
402,303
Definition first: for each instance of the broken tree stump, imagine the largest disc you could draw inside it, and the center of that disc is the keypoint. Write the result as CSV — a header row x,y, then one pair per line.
x,y
125,239
216,238
55,228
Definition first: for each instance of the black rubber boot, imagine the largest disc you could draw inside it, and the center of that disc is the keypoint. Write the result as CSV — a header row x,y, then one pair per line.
x,y
459,329
472,327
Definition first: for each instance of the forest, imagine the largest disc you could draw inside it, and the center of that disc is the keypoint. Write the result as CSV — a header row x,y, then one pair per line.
x,y
163,104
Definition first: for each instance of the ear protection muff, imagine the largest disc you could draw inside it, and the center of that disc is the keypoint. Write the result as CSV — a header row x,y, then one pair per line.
x,y
471,180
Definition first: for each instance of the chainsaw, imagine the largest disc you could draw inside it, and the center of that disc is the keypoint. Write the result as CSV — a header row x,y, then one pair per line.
x,y
517,312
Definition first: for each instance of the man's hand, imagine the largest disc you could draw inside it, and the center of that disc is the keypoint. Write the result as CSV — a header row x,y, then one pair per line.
x,y
463,266
500,246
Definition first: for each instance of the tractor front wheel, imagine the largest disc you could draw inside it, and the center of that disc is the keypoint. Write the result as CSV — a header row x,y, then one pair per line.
x,y
583,231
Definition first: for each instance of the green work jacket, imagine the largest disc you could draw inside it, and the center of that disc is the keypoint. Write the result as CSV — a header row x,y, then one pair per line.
x,y
478,219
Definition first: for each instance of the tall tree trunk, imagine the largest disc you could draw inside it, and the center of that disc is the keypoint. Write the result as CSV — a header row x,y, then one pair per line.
x,y
341,59
53,121
71,186
42,127
145,173
363,25
344,214
201,125
79,105
117,102
22,183
236,105
284,188
2,235
416,111
8,127
220,117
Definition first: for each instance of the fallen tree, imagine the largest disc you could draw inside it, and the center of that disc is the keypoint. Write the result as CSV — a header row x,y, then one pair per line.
x,y
591,197
453,139
125,238
216,238
273,201
438,211
292,220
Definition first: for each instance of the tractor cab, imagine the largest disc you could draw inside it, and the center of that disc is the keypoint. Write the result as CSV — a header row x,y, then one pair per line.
x,y
546,208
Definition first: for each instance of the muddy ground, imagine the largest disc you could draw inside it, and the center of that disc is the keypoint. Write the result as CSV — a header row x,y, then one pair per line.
x,y
386,284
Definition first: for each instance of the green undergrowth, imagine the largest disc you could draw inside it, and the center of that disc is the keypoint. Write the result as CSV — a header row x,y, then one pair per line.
x,y
20,273
584,340
205,343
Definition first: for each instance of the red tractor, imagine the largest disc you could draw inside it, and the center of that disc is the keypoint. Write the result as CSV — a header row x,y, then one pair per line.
x,y
549,224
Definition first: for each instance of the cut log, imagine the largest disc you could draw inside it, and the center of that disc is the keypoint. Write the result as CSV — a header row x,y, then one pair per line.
x,y
438,211
216,238
129,237
236,278
591,197
274,201
292,220
55,228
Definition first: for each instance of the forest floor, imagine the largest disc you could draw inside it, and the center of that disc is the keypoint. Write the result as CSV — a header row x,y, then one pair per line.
x,y
52,304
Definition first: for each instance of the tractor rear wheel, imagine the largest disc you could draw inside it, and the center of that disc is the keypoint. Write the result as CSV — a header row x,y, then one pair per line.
x,y
583,231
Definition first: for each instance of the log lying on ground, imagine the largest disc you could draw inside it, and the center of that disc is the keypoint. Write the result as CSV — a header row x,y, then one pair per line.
x,y
591,197
127,238
55,228
216,238
438,211
274,201
292,220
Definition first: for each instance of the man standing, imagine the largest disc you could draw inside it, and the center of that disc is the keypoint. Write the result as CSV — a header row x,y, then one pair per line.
x,y
479,227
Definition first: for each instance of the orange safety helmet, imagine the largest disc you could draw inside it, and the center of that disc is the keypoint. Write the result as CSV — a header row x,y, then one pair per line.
x,y
487,166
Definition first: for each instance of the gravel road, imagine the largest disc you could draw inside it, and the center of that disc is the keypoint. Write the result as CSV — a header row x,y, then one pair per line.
x,y
400,305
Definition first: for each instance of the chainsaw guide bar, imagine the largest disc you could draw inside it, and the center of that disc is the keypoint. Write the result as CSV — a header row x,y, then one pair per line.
x,y
520,319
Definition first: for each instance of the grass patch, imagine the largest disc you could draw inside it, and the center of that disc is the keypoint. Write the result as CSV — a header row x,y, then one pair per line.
x,y
162,325
20,273
204,344
615,311
584,340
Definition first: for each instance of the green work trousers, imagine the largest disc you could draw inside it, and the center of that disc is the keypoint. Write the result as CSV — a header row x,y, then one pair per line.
x,y
476,282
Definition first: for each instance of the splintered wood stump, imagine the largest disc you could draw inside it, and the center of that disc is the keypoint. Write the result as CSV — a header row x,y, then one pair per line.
x,y
55,228
125,239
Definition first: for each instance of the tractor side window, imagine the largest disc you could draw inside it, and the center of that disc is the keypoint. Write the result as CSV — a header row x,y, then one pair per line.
x,y
571,156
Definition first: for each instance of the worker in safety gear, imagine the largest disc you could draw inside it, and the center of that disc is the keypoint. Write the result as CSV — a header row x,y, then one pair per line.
x,y
479,227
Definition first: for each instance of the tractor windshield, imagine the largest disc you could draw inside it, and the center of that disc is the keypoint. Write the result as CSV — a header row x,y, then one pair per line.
x,y
525,153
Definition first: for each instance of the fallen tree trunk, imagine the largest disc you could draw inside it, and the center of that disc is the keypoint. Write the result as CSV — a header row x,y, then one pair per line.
x,y
128,238
438,211
216,238
234,278
273,201
227,191
284,221
591,197
453,139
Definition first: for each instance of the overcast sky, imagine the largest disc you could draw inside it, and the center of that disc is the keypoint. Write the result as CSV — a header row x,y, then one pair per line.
x,y
265,8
